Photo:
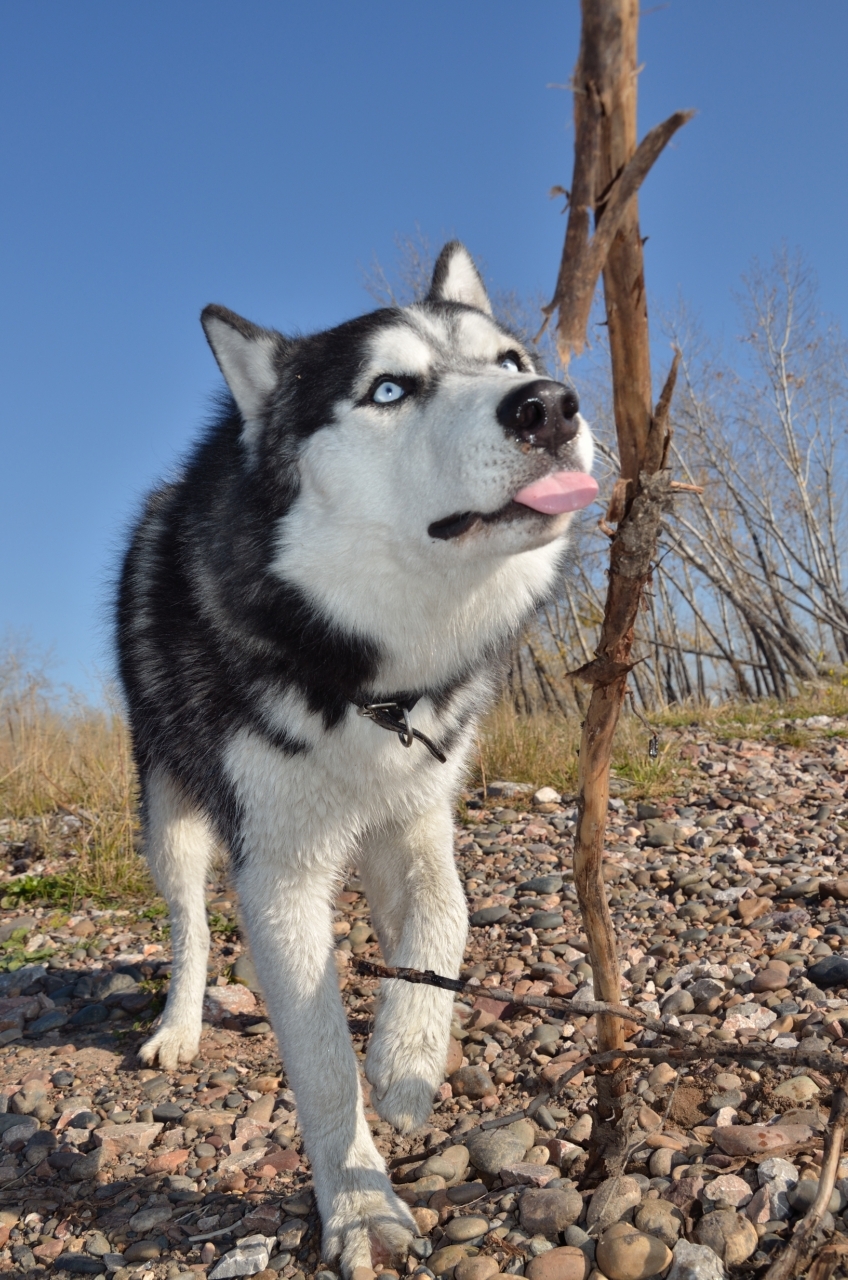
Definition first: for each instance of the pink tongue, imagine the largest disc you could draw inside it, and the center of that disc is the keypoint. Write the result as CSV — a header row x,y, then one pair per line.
x,y
563,491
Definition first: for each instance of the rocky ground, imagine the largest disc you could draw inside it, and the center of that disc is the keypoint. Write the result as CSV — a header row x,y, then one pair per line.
x,y
730,901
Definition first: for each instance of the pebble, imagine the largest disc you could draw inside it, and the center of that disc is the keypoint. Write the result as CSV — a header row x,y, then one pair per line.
x,y
677,1003
564,1263
660,1218
581,1130
481,1268
250,1256
802,1195
440,1262
142,1251
730,1235
611,1200
491,1149
832,972
797,1088
623,1253
727,1188
695,1262
50,1021
147,1219
661,1075
549,1210
80,1265
746,1140
459,1230
472,1082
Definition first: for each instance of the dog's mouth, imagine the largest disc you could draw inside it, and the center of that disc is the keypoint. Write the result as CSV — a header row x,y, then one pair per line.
x,y
552,495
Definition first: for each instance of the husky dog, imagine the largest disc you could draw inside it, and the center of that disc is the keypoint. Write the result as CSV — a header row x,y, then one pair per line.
x,y
331,580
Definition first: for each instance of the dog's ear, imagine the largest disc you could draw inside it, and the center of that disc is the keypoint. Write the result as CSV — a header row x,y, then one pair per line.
x,y
456,279
246,355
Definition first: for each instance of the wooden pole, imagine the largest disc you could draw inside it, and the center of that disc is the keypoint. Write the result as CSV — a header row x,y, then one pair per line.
x,y
608,170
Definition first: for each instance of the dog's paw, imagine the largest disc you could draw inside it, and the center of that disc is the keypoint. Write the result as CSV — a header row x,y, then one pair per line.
x,y
403,1081
367,1227
171,1045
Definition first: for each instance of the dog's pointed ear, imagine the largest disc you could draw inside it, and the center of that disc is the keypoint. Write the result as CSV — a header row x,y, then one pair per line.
x,y
246,355
456,279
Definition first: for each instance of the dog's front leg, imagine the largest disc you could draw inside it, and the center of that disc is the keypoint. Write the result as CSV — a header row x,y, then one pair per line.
x,y
419,909
287,912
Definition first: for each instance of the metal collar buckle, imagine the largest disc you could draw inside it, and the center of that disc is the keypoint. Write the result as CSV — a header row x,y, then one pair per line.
x,y
404,731
395,717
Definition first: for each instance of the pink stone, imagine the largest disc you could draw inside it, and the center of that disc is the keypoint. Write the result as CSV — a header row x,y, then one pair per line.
x,y
487,1005
227,1002
127,1139
565,1263
280,1161
560,1149
730,1188
751,1139
168,1161
524,1174
48,1250
758,1208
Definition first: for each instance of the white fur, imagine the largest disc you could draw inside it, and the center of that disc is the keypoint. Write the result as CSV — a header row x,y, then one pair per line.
x,y
356,541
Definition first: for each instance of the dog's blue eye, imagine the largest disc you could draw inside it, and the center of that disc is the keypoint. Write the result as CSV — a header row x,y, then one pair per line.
x,y
388,392
510,362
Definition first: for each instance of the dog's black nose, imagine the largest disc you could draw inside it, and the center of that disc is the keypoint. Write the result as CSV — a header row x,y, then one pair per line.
x,y
542,413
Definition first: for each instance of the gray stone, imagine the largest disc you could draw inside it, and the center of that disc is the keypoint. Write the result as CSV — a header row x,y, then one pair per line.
x,y
89,1165
461,1230
728,1234
543,884
547,1033
776,1171
49,1021
22,978
832,972
90,1015
78,1264
678,1002
659,833
155,1216
244,971
545,920
115,982
251,1255
611,1201
695,1262
489,915
17,1128
491,1149
547,1211
169,1111
802,1195
705,989
97,1244
660,1218
729,1098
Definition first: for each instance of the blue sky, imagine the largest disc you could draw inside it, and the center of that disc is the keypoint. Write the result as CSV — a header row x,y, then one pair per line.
x,y
161,156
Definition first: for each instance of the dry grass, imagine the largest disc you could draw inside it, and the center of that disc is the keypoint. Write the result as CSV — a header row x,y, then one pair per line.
x,y
69,759
543,748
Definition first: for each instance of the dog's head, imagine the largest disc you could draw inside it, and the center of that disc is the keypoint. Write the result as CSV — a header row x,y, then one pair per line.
x,y
425,438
